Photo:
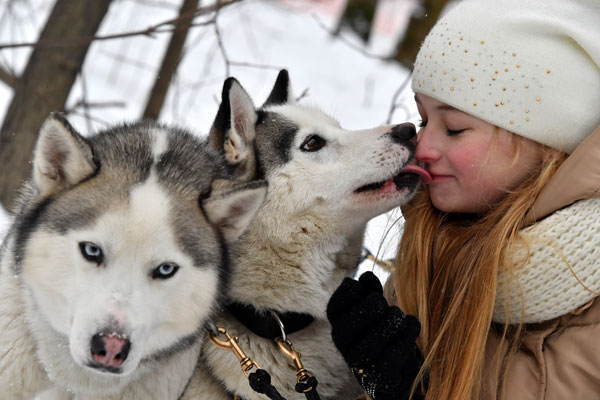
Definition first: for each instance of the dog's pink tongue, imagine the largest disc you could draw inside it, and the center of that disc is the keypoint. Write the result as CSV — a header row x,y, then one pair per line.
x,y
414,168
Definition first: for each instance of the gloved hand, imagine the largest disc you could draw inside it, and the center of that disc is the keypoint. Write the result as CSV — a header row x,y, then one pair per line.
x,y
378,341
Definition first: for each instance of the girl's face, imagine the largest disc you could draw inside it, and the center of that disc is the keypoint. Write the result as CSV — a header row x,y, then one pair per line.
x,y
472,162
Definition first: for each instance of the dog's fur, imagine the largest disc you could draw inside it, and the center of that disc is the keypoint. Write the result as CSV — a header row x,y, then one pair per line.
x,y
306,237
99,233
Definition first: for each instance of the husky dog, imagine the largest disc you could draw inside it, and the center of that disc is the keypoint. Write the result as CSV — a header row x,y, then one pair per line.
x,y
325,184
115,260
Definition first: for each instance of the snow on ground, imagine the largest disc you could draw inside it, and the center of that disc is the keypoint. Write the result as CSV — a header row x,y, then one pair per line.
x,y
258,37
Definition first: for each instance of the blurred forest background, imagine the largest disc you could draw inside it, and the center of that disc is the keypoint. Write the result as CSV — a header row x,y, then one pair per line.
x,y
105,61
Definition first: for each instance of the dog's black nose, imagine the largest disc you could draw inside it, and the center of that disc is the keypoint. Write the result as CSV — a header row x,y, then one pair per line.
x,y
403,132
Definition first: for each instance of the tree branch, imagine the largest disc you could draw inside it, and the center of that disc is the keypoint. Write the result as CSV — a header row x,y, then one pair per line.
x,y
358,47
161,27
8,78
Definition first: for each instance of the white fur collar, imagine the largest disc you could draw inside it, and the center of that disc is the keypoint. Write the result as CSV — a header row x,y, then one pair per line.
x,y
548,287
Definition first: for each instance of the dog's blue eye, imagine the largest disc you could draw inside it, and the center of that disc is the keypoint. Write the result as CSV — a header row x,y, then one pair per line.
x,y
164,271
313,143
91,252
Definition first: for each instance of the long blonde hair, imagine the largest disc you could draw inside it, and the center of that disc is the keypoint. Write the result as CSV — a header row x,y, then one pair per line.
x,y
446,276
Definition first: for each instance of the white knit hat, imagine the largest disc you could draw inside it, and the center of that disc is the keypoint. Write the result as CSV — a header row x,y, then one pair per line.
x,y
531,67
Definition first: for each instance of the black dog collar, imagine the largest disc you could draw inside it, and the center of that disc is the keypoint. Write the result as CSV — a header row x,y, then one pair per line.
x,y
263,324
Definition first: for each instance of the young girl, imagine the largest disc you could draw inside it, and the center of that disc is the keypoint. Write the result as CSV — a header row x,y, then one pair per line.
x,y
499,263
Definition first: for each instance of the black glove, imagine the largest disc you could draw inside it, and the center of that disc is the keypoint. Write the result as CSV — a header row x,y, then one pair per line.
x,y
378,341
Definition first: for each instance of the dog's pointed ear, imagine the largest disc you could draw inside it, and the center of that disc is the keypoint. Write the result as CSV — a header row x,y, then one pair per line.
x,y
240,141
222,122
233,129
282,90
62,157
232,209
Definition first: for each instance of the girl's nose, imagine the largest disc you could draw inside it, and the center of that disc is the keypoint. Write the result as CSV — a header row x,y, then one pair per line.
x,y
427,150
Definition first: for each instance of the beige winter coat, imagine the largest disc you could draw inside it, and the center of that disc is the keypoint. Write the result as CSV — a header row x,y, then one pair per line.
x,y
558,359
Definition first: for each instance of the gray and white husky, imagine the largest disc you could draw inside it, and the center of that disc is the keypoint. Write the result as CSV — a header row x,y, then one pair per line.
x,y
116,258
325,184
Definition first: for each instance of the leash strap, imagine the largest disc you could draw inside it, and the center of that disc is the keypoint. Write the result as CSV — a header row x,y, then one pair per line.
x,y
260,381
309,388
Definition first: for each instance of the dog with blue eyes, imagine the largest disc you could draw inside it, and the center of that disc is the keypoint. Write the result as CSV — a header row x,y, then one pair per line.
x,y
116,259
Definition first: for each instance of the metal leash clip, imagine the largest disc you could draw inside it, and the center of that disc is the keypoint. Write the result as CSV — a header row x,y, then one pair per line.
x,y
286,347
231,344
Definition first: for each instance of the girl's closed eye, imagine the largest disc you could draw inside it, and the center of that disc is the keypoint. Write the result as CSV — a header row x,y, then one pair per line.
x,y
422,123
454,132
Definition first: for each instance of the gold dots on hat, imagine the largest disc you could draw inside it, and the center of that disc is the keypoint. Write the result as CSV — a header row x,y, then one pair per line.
x,y
495,104
449,43
501,103
476,64
493,78
514,54
443,54
511,122
548,71
527,119
538,99
431,75
433,89
444,72
518,66
466,50
527,111
504,89
505,69
472,79
474,104
526,86
452,89
496,72
461,38
482,42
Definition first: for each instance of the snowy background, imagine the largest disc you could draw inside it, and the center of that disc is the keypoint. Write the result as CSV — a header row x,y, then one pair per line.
x,y
340,75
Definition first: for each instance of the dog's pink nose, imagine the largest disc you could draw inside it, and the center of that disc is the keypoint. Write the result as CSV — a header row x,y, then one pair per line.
x,y
109,350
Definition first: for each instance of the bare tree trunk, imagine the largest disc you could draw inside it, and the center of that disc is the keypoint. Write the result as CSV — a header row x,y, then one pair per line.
x,y
418,28
358,16
171,60
44,86
8,78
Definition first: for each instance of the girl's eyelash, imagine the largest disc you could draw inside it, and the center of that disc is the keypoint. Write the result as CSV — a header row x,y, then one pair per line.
x,y
450,132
